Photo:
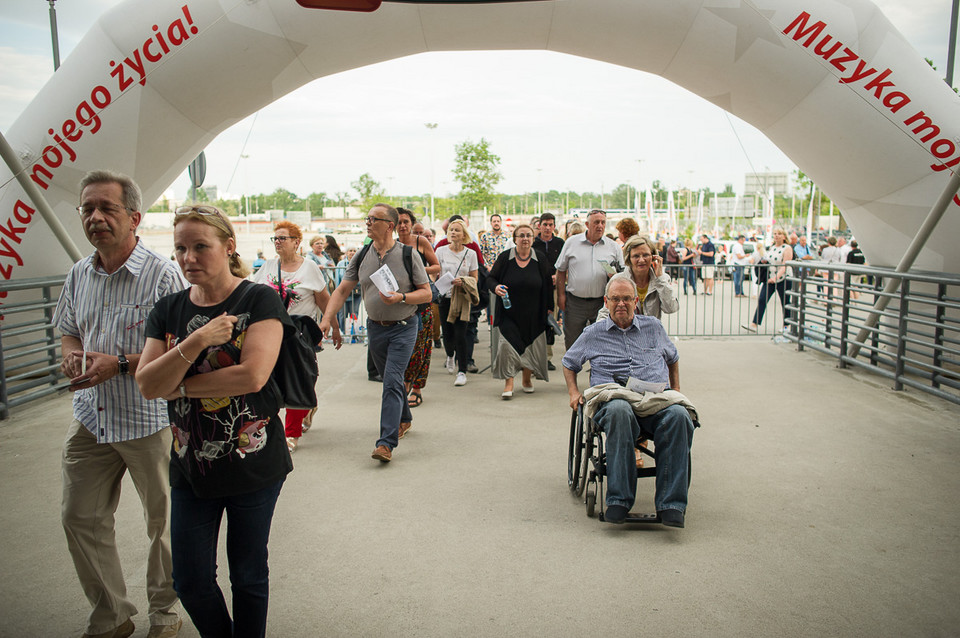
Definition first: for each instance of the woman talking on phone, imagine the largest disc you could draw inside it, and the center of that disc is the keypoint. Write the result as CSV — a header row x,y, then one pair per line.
x,y
654,286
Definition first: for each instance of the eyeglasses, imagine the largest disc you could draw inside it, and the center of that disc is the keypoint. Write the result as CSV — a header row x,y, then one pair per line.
x,y
619,300
372,219
107,209
200,210
525,236
280,239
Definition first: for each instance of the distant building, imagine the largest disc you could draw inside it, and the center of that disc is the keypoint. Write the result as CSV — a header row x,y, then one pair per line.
x,y
745,206
763,182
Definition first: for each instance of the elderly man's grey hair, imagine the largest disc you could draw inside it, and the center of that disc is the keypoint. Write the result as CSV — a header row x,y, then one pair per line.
x,y
620,276
131,196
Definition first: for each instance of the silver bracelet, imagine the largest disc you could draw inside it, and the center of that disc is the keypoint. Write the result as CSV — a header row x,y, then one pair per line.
x,y
183,390
182,356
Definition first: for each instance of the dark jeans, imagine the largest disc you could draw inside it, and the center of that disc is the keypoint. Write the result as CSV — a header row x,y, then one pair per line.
x,y
194,529
738,280
690,278
390,348
454,336
768,291
672,432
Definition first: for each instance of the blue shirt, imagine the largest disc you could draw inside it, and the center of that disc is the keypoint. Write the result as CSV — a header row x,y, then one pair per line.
x,y
643,351
108,314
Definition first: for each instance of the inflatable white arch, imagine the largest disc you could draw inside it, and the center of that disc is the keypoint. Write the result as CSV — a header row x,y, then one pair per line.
x,y
830,82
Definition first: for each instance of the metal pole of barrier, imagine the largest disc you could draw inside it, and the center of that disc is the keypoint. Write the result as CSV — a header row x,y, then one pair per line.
x,y
13,162
909,257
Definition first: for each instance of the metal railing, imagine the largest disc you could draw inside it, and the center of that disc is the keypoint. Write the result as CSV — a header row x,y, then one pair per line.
x,y
30,365
917,340
720,314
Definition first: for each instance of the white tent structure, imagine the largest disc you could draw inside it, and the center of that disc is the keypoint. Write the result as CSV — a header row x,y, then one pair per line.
x,y
831,82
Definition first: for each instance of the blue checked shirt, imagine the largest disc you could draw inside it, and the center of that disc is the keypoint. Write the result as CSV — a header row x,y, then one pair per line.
x,y
108,313
643,351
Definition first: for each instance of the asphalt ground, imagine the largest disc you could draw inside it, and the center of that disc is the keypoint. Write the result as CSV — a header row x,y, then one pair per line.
x,y
822,504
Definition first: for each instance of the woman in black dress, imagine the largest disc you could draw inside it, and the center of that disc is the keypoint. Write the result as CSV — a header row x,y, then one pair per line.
x,y
522,279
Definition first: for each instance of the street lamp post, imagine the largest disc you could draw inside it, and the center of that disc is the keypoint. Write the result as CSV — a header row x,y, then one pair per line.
x,y
432,126
53,35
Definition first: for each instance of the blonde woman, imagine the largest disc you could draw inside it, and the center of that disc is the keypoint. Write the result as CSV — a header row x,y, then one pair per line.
x,y
776,279
654,286
209,352
459,261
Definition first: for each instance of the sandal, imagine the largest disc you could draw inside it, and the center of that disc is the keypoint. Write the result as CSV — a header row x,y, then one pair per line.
x,y
414,399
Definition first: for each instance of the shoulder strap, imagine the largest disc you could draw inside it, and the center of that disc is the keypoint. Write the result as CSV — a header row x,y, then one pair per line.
x,y
243,295
408,262
362,254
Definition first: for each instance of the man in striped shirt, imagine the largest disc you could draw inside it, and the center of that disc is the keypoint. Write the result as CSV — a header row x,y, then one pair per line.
x,y
101,316
634,345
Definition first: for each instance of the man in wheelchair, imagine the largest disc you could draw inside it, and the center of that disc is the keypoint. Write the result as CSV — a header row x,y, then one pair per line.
x,y
636,345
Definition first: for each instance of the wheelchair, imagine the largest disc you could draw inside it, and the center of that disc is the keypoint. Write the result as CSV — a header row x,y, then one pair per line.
x,y
586,466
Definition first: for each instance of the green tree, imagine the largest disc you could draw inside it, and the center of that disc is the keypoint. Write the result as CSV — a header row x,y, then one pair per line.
x,y
315,203
369,189
343,198
229,207
476,170
282,199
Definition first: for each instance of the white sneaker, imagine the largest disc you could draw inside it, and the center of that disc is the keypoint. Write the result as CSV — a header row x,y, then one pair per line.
x,y
461,379
451,365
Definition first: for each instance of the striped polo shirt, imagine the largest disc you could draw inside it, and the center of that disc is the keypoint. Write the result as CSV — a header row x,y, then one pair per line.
x,y
643,350
108,313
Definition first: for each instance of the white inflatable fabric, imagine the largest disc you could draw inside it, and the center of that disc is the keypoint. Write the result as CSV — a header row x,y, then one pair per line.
x,y
831,82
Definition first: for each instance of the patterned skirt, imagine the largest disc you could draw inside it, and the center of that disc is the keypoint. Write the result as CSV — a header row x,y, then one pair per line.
x,y
419,366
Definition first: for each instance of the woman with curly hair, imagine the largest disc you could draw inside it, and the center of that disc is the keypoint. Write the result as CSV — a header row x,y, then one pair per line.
x,y
415,377
627,228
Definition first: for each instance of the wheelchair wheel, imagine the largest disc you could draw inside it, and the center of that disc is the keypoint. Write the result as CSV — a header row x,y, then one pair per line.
x,y
586,451
573,452
591,498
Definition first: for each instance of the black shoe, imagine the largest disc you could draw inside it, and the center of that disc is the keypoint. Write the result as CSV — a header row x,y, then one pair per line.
x,y
375,378
615,514
476,339
472,368
671,518
550,366
436,343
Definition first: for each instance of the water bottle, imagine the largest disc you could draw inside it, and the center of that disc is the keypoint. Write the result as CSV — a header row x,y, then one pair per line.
x,y
506,301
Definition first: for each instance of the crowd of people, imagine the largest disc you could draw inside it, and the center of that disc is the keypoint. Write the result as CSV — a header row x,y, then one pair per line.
x,y
173,382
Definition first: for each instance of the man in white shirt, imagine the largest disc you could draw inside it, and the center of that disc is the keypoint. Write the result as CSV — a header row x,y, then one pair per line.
x,y
585,264
740,260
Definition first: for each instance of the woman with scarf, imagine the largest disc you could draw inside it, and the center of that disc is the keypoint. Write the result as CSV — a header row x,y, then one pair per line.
x,y
522,280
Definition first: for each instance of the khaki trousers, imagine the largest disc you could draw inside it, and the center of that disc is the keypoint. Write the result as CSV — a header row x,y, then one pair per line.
x,y
92,474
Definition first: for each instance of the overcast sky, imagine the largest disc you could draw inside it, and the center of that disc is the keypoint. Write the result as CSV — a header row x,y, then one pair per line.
x,y
538,110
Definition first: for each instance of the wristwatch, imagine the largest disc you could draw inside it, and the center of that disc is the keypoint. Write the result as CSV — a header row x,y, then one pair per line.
x,y
403,297
124,365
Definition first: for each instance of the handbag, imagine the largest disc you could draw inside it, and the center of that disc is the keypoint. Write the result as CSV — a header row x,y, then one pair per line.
x,y
296,371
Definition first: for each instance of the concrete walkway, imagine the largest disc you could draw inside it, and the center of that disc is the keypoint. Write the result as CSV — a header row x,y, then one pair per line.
x,y
822,504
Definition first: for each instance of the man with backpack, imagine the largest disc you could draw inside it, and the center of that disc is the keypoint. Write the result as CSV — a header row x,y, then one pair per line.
x,y
392,320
